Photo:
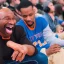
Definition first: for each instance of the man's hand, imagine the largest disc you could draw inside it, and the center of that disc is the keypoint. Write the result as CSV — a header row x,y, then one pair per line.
x,y
53,49
19,54
19,51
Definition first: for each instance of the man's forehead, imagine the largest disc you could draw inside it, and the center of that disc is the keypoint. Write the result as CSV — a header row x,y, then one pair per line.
x,y
5,11
30,8
2,15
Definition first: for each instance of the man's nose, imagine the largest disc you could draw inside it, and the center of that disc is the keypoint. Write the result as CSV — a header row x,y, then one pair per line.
x,y
28,18
12,21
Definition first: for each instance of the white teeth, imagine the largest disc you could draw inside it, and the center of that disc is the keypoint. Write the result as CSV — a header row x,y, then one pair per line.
x,y
10,26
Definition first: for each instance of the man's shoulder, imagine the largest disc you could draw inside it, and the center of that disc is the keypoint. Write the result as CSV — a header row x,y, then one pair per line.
x,y
18,27
18,33
39,17
20,22
41,20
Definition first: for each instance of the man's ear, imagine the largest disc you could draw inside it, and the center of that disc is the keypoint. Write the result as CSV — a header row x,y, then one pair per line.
x,y
18,12
35,9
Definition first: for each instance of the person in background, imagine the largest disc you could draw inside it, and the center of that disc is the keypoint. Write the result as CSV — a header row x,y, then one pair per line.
x,y
40,6
49,15
61,2
60,31
34,2
58,11
13,5
3,3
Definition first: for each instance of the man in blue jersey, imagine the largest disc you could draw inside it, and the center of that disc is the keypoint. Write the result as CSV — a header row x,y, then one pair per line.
x,y
37,30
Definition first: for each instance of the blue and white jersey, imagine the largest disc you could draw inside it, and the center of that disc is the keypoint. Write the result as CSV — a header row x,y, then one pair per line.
x,y
36,35
41,34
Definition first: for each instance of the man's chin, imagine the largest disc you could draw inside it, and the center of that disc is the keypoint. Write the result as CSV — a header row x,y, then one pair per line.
x,y
7,34
6,37
30,24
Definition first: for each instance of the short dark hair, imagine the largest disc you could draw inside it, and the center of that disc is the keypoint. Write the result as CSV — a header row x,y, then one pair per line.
x,y
8,1
24,4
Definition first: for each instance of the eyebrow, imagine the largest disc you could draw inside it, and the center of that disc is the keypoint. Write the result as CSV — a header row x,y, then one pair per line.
x,y
6,17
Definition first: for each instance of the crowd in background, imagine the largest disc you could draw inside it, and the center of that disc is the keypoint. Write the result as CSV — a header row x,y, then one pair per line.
x,y
59,6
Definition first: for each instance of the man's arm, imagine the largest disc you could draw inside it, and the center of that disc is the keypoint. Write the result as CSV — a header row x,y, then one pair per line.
x,y
21,38
51,50
29,48
20,50
22,46
50,37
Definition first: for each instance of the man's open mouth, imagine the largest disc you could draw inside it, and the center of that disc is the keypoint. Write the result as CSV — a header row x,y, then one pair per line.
x,y
9,29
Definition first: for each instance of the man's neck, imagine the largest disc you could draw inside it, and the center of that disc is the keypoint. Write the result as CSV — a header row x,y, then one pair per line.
x,y
4,37
32,26
51,15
